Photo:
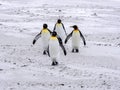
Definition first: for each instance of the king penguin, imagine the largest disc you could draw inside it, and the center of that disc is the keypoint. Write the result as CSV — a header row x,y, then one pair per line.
x,y
60,29
45,36
75,34
54,43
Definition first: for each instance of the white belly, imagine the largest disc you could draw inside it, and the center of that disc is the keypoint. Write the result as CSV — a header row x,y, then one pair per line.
x,y
45,40
75,40
53,48
60,31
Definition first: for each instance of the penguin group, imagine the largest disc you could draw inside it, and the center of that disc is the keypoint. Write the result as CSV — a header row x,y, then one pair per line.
x,y
53,40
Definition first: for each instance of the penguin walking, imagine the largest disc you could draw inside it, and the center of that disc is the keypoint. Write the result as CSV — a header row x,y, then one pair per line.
x,y
54,43
75,34
60,29
45,36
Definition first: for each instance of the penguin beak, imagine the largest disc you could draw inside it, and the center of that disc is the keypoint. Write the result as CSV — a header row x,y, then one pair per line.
x,y
71,26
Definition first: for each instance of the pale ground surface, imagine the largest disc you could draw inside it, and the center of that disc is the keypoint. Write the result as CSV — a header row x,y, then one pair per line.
x,y
95,67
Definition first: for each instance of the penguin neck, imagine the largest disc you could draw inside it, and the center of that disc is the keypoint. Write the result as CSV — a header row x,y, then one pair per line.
x,y
75,29
53,37
45,30
58,23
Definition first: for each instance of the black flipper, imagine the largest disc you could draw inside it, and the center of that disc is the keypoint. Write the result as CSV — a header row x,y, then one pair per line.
x,y
82,38
54,27
68,37
64,29
61,45
34,41
48,51
36,38
49,31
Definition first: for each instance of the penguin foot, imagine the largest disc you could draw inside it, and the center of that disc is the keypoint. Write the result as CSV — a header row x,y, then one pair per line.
x,y
77,50
48,53
54,63
73,50
44,52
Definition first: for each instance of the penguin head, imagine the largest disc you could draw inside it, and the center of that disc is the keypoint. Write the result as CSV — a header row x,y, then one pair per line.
x,y
59,21
74,26
54,33
45,26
